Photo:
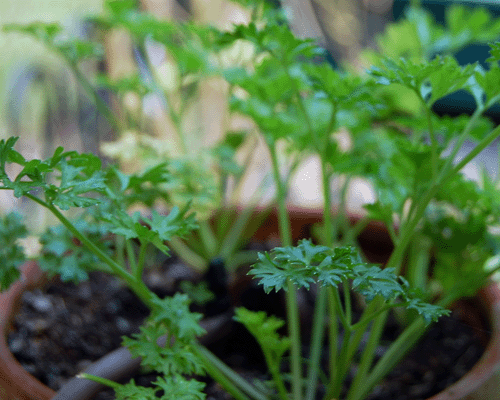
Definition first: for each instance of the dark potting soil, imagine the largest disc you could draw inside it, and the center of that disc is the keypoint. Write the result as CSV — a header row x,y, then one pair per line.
x,y
58,332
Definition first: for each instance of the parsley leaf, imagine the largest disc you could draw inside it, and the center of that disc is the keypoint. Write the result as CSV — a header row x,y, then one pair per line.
x,y
170,317
265,329
78,174
306,263
62,255
156,230
11,254
430,80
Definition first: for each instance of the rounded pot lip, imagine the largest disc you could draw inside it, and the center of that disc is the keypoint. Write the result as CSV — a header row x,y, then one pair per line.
x,y
489,363
17,383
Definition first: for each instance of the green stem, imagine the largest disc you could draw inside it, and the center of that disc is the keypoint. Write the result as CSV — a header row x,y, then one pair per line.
x,y
141,261
320,306
291,294
235,235
343,364
434,143
474,152
366,318
189,256
274,368
367,357
177,120
226,377
208,239
356,230
101,105
284,221
347,302
339,310
342,220
139,288
98,379
418,264
316,343
131,256
333,338
120,249
399,348
406,236
232,240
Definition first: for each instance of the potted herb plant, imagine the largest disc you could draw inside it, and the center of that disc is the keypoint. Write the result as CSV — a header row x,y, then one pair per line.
x,y
296,100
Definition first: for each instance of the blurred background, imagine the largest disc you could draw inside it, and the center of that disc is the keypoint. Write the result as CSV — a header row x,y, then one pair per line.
x,y
43,104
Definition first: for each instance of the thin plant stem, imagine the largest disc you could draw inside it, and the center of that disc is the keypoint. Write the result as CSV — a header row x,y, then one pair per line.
x,y
333,336
131,256
274,368
434,143
226,377
101,105
395,261
120,249
189,256
316,342
208,239
347,303
320,306
291,294
138,287
99,379
367,356
141,260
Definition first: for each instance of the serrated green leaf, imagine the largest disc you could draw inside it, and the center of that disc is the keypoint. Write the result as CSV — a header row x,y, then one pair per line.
x,y
486,84
131,391
303,265
494,52
11,253
265,329
180,388
65,257
170,316
431,80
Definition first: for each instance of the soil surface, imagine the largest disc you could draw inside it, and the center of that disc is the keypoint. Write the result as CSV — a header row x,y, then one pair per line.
x,y
59,331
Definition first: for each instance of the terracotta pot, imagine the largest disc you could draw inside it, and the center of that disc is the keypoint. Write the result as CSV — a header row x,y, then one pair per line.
x,y
15,382
481,382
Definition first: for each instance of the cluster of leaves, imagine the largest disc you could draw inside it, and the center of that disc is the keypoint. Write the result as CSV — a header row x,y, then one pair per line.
x,y
69,179
187,42
52,35
288,89
418,37
306,264
78,175
156,230
460,230
176,387
170,318
166,343
65,257
11,253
